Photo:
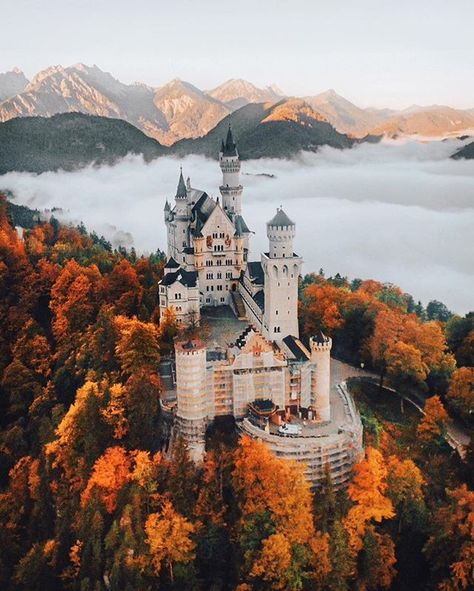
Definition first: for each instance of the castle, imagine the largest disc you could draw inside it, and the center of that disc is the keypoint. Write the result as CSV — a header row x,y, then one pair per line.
x,y
250,362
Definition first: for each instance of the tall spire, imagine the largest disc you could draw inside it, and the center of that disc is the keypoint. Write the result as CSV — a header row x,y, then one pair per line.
x,y
229,147
181,190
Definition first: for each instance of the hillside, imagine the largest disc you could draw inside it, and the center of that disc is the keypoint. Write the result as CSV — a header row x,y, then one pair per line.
x,y
69,141
344,115
269,131
437,120
466,152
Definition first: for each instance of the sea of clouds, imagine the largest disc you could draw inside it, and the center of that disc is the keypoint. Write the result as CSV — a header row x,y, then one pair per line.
x,y
401,212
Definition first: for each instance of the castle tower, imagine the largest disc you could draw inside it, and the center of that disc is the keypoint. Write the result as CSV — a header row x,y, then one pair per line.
x,y
191,392
320,346
231,189
281,268
177,222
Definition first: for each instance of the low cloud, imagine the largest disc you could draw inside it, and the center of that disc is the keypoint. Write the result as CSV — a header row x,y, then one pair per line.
x,y
396,211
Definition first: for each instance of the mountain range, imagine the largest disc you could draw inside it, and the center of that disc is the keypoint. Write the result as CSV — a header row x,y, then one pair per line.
x,y
178,110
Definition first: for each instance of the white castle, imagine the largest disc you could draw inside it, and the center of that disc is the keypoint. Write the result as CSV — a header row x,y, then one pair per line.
x,y
249,363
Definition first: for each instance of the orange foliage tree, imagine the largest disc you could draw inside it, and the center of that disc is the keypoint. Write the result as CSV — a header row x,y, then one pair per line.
x,y
461,391
433,425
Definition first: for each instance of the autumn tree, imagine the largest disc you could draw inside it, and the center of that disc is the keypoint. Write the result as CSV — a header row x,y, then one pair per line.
x,y
432,428
137,347
122,289
371,505
169,538
461,392
275,504
450,547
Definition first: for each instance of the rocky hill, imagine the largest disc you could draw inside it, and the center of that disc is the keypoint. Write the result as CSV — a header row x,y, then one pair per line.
x,y
188,111
12,83
271,131
236,93
70,141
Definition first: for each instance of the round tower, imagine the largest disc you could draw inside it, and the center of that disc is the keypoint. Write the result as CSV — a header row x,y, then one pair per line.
x,y
281,273
191,393
231,189
320,346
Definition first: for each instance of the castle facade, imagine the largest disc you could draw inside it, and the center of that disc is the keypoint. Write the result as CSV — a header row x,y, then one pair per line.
x,y
250,362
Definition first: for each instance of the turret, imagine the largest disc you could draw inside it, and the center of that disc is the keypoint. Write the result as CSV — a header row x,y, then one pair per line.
x,y
320,346
191,393
281,274
231,189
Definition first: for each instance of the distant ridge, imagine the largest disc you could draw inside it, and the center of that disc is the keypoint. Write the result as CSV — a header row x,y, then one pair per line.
x,y
179,110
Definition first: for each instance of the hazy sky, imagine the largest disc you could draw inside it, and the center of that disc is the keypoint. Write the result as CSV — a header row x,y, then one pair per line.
x,y
399,212
374,52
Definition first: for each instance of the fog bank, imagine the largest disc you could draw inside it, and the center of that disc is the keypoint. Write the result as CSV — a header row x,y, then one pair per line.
x,y
397,211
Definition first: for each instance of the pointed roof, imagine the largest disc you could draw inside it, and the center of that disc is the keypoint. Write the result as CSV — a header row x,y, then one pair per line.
x,y
172,264
280,219
240,226
181,192
320,338
167,206
229,146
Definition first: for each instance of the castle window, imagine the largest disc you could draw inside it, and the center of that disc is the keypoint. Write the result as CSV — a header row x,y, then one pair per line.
x,y
276,312
219,288
228,275
222,299
219,275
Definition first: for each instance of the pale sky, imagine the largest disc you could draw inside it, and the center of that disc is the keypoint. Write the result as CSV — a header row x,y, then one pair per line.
x,y
390,53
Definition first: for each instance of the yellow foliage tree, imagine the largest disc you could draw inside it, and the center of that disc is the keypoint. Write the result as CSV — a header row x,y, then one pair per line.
x,y
368,493
169,537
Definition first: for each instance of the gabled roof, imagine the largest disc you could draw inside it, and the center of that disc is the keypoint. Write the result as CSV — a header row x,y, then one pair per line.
x,y
181,192
255,270
172,264
186,278
297,348
201,212
280,219
229,146
240,225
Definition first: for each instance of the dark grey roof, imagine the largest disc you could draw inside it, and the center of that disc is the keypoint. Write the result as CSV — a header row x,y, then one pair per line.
x,y
240,225
320,338
186,278
280,219
259,299
167,206
172,264
229,146
181,190
201,212
256,272
296,347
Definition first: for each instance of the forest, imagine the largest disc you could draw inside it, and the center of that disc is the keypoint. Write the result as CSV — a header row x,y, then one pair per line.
x,y
91,499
